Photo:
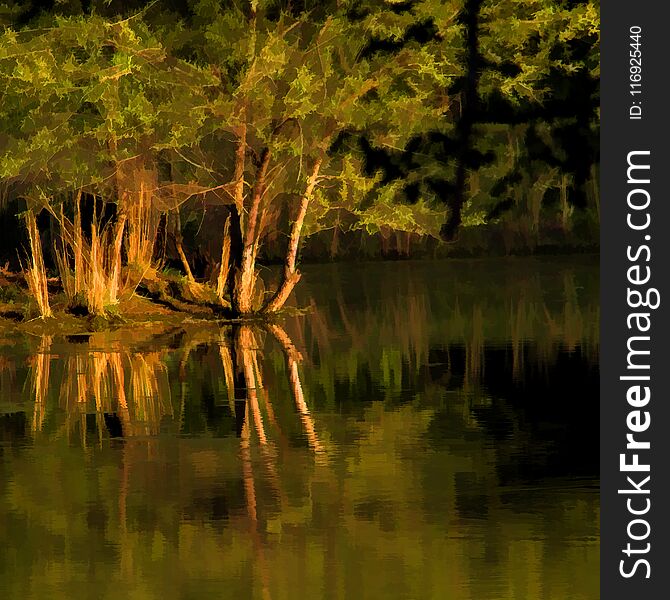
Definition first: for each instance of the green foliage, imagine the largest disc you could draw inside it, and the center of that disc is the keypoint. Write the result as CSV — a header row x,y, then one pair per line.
x,y
85,93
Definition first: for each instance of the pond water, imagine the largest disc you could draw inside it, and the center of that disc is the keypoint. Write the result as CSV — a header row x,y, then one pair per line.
x,y
425,430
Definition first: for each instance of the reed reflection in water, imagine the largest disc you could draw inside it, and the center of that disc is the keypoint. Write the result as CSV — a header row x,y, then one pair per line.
x,y
414,448
100,383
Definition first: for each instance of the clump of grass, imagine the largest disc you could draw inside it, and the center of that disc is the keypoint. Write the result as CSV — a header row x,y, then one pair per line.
x,y
90,272
144,218
35,274
143,221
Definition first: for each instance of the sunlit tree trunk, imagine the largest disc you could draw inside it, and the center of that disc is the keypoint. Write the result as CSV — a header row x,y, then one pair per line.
x,y
291,275
237,213
246,278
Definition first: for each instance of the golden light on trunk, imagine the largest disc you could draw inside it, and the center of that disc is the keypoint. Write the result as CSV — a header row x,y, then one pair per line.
x,y
291,275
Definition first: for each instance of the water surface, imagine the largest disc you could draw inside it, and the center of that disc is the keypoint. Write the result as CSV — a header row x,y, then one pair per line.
x,y
425,430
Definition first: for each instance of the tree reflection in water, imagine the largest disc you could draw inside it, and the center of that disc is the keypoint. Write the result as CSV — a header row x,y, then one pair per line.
x,y
125,394
424,446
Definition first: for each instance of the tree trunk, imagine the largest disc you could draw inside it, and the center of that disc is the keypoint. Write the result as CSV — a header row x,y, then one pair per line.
x,y
465,125
245,279
178,240
236,244
335,242
291,275
224,267
565,208
237,213
596,189
240,156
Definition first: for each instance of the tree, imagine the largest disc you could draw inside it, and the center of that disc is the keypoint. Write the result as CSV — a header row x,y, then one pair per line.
x,y
289,117
85,104
522,69
290,86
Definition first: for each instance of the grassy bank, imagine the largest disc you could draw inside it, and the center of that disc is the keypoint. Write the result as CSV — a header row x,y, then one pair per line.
x,y
19,312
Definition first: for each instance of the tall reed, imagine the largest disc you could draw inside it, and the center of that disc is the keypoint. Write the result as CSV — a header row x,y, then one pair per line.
x,y
90,272
143,222
35,275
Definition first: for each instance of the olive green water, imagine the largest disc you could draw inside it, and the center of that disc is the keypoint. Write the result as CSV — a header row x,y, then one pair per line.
x,y
426,430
